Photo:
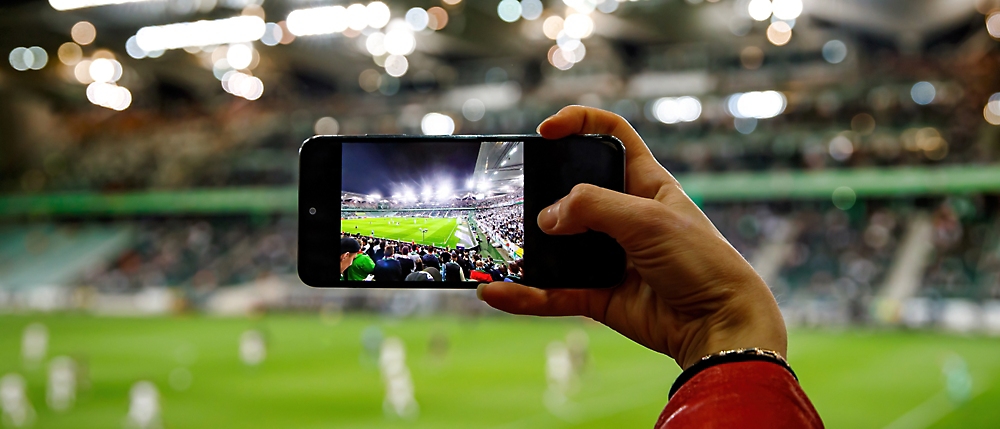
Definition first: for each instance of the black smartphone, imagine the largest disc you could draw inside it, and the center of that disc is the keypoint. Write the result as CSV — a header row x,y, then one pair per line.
x,y
454,211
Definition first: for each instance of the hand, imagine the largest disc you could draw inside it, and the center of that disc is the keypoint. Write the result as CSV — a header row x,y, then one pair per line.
x,y
688,293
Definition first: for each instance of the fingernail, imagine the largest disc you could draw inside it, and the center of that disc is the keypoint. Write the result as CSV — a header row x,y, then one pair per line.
x,y
548,218
479,291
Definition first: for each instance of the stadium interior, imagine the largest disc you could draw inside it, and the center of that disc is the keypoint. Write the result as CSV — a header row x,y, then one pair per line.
x,y
848,149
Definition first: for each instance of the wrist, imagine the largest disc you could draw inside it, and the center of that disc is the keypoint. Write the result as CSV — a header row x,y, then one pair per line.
x,y
741,324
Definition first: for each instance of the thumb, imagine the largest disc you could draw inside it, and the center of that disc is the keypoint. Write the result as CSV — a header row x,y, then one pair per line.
x,y
626,218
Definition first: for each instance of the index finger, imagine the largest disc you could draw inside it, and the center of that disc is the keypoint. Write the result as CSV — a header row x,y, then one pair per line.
x,y
644,175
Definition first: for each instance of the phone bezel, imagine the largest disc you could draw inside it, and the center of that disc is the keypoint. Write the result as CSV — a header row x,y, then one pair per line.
x,y
316,156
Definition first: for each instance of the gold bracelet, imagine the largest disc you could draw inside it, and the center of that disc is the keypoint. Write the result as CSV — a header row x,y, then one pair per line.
x,y
730,356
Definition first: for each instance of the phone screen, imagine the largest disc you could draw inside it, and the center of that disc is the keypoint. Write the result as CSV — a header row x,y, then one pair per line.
x,y
449,211
452,210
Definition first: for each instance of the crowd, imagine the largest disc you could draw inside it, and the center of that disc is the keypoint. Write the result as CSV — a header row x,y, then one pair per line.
x,y
199,255
503,222
392,260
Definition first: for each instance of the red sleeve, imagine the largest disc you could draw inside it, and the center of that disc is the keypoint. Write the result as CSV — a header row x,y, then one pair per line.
x,y
740,394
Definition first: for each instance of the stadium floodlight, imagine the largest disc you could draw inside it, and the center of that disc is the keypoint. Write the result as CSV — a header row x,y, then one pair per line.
x,y
443,191
80,4
482,186
374,197
240,29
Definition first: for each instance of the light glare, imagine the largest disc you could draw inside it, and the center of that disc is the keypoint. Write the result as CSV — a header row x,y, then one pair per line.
x,y
240,29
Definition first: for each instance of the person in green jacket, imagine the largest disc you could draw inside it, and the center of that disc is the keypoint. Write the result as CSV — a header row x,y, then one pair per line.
x,y
362,266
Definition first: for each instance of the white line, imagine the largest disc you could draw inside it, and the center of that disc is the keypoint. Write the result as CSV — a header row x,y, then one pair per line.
x,y
930,411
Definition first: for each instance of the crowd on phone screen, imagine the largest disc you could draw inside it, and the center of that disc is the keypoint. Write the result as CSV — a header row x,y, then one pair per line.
x,y
392,260
507,222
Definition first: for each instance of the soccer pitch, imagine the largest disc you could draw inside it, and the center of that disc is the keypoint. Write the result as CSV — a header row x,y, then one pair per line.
x,y
492,374
440,231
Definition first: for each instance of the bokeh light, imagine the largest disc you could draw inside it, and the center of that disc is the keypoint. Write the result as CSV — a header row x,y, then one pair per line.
x,y
69,53
83,33
509,10
779,33
756,104
759,10
786,9
326,125
834,51
669,110
417,18
844,198
923,93
437,124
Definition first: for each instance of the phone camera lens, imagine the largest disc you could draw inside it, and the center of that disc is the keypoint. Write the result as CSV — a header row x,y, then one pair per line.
x,y
312,210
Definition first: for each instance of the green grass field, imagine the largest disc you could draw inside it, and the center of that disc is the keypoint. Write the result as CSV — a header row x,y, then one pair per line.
x,y
441,232
493,374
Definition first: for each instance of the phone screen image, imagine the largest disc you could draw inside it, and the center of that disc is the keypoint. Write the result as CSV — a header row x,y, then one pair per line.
x,y
449,211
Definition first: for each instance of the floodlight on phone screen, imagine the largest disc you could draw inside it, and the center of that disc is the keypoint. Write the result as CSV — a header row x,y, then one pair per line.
x,y
374,197
443,191
240,29
80,4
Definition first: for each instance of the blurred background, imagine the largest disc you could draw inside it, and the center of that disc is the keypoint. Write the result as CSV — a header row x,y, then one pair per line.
x,y
848,149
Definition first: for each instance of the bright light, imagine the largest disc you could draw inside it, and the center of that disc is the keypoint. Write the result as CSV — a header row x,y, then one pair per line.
x,y
133,50
317,20
759,10
673,110
79,4
83,33
532,9
994,104
240,29
509,10
567,42
378,14
109,95
427,193
993,25
103,70
834,51
576,55
242,85
578,26
417,18
757,105
399,41
33,58
584,6
552,26
408,195
375,43
239,56
787,9
923,93
374,197
779,33
991,115
357,16
396,66
272,35
437,18
437,124
482,186
443,191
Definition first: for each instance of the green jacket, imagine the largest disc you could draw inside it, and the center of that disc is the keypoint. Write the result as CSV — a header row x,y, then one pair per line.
x,y
361,268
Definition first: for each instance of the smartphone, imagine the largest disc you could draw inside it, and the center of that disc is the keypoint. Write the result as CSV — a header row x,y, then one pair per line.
x,y
452,211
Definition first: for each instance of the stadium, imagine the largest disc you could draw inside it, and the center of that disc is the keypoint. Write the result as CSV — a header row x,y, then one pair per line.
x,y
849,150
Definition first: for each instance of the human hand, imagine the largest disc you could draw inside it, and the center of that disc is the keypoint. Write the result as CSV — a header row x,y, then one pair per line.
x,y
688,293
